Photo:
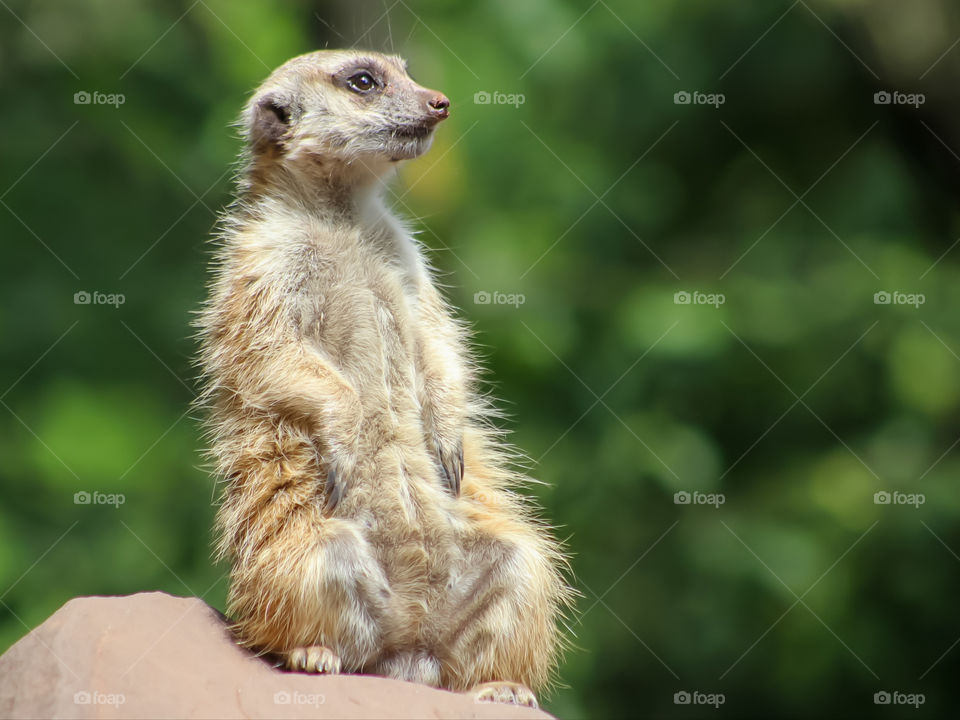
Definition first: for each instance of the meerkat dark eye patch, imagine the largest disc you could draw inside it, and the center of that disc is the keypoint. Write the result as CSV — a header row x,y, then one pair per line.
x,y
362,77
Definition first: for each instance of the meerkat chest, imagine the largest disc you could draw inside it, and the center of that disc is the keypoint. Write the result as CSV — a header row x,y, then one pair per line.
x,y
357,299
398,255
393,270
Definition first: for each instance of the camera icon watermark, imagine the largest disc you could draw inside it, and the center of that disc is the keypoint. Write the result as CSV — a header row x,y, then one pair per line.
x,y
895,497
885,97
98,498
96,97
684,97
883,297
483,297
695,697
683,297
699,498
482,97
897,697
82,297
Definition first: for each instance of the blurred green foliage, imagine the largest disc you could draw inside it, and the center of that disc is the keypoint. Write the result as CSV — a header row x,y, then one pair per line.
x,y
597,198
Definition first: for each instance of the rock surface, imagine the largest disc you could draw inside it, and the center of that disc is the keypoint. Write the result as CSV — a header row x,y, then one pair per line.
x,y
153,655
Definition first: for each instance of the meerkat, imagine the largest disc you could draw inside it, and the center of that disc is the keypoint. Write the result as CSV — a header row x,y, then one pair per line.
x,y
368,511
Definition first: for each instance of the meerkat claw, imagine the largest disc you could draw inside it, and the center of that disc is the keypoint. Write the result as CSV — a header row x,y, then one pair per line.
x,y
313,659
460,465
452,464
333,490
510,693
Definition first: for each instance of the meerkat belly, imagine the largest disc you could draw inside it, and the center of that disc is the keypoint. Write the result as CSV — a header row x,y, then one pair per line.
x,y
398,501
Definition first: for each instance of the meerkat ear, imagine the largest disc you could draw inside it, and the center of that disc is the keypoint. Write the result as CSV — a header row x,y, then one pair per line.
x,y
270,120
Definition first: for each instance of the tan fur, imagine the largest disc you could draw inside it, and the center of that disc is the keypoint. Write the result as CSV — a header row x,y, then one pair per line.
x,y
342,406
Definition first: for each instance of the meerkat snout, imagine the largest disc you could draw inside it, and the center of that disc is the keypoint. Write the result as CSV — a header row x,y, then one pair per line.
x,y
360,109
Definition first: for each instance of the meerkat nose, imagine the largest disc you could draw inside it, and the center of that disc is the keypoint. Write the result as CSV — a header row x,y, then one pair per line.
x,y
439,106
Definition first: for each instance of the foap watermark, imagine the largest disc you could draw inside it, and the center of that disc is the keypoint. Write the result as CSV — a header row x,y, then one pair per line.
x,y
482,297
82,297
682,297
698,498
895,97
96,97
482,97
895,497
683,97
882,297
93,697
698,698
285,697
98,498
896,697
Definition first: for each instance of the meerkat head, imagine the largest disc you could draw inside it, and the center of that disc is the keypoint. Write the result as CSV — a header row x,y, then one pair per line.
x,y
342,108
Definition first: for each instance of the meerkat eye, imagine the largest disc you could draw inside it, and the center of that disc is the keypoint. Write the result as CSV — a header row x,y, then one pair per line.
x,y
362,82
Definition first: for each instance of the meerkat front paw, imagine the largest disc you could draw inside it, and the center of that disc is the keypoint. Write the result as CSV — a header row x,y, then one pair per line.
x,y
504,692
313,659
451,463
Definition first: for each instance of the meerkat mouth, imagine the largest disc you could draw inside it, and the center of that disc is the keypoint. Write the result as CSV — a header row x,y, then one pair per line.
x,y
409,140
412,132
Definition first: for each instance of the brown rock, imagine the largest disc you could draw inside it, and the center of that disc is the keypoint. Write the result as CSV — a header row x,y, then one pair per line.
x,y
153,655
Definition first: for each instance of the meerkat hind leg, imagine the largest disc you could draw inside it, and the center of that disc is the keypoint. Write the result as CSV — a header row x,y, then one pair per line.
x,y
313,659
504,692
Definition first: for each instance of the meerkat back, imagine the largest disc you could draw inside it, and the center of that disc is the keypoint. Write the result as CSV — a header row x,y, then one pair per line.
x,y
368,510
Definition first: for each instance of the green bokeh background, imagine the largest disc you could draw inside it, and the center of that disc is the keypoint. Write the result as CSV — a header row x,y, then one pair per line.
x,y
598,198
